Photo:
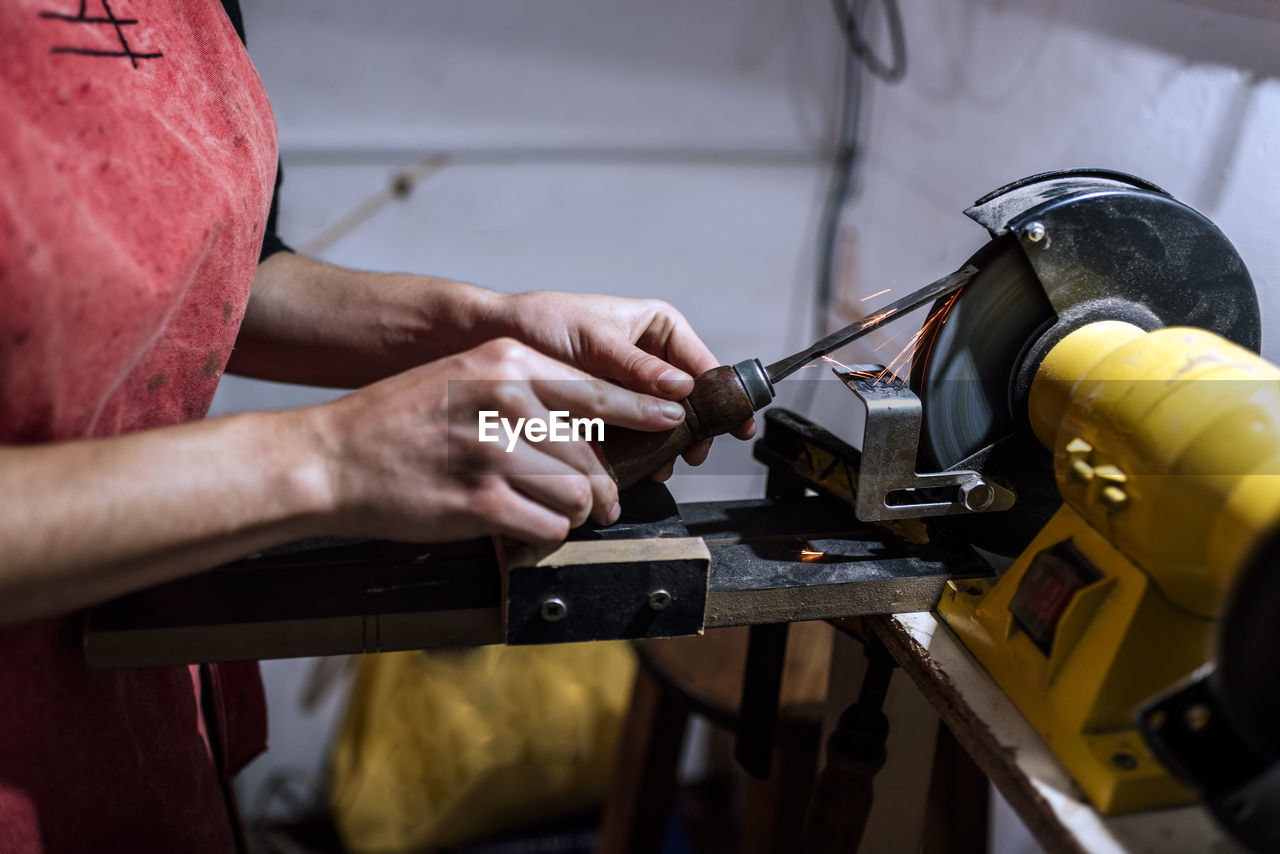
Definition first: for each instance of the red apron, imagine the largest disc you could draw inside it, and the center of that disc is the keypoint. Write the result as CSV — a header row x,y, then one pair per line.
x,y
137,157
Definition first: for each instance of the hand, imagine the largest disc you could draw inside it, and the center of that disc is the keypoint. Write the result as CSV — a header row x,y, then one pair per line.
x,y
646,345
406,462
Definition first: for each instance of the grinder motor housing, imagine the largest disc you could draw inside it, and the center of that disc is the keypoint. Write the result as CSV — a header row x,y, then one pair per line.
x,y
1162,427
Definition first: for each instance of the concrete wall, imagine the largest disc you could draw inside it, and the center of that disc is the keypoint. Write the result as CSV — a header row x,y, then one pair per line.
x,y
678,149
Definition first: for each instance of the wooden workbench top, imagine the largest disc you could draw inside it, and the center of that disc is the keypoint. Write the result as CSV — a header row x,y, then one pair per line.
x,y
1016,759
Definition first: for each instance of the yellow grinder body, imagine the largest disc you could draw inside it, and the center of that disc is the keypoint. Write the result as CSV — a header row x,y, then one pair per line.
x,y
1168,443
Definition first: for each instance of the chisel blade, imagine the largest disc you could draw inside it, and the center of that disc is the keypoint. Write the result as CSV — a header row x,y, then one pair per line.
x,y
947,284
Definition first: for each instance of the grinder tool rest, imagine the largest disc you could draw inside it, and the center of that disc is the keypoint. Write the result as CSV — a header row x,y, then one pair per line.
x,y
1087,409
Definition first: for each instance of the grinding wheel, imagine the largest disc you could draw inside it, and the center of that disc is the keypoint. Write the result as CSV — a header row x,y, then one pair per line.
x,y
963,367
962,374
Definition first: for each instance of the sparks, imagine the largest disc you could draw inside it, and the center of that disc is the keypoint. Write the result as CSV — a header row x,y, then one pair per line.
x,y
876,294
931,326
886,342
877,317
866,375
806,552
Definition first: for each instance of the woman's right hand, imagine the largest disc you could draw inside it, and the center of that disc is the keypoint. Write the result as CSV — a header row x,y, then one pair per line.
x,y
405,461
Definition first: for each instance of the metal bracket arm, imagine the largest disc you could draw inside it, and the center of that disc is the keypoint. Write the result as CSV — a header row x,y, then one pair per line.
x,y
888,485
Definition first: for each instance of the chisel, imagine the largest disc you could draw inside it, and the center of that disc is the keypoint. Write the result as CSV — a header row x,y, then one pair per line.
x,y
726,396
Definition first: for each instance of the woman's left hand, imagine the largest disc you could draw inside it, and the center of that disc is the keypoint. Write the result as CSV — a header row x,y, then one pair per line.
x,y
645,345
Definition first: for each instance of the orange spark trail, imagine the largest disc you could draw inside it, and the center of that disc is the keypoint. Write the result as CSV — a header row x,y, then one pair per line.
x,y
904,357
864,374
886,342
876,318
876,294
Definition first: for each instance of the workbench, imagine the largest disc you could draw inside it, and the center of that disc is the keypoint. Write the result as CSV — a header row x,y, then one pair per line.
x,y
1016,759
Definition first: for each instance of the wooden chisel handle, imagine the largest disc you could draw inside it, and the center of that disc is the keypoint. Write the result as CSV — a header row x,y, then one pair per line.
x,y
722,399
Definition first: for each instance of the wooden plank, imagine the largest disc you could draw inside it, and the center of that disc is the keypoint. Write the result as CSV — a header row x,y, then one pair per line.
x,y
1016,759
606,589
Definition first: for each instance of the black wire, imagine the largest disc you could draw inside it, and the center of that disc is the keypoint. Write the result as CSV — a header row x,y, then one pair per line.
x,y
842,173
858,55
890,72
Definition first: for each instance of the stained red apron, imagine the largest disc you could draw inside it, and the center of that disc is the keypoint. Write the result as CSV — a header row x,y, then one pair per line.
x,y
137,156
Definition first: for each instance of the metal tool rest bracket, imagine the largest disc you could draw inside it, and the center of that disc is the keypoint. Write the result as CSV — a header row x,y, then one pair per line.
x,y
889,487
802,456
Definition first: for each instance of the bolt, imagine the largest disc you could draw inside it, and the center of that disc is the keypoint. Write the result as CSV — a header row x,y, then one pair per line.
x,y
976,494
1108,485
1113,496
1197,717
1078,449
553,610
1124,761
1035,232
660,599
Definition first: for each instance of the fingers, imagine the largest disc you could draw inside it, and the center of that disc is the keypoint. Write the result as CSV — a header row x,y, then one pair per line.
x,y
664,473
669,334
643,371
508,512
646,345
697,454
562,387
555,452
577,457
562,488
613,404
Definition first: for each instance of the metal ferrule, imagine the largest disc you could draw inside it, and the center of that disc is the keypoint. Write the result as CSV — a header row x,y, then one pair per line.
x,y
756,382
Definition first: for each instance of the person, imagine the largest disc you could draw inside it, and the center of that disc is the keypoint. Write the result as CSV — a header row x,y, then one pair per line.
x,y
137,167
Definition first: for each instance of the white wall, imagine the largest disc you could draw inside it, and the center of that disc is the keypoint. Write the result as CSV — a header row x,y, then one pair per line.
x,y
1183,95
676,149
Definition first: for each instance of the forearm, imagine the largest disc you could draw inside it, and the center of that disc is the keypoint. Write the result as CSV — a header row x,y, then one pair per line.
x,y
316,324
85,521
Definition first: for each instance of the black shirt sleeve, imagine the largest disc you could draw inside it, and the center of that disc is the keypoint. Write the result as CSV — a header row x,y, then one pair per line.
x,y
271,242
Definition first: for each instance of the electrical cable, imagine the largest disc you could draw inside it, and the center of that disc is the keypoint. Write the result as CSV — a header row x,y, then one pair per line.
x,y
838,189
858,55
890,72
850,15
846,155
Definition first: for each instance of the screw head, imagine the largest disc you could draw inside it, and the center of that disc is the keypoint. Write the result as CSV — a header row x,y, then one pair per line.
x,y
1035,232
976,494
1197,717
1124,761
553,610
660,599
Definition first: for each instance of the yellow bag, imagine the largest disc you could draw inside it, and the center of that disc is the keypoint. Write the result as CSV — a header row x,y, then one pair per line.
x,y
441,747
